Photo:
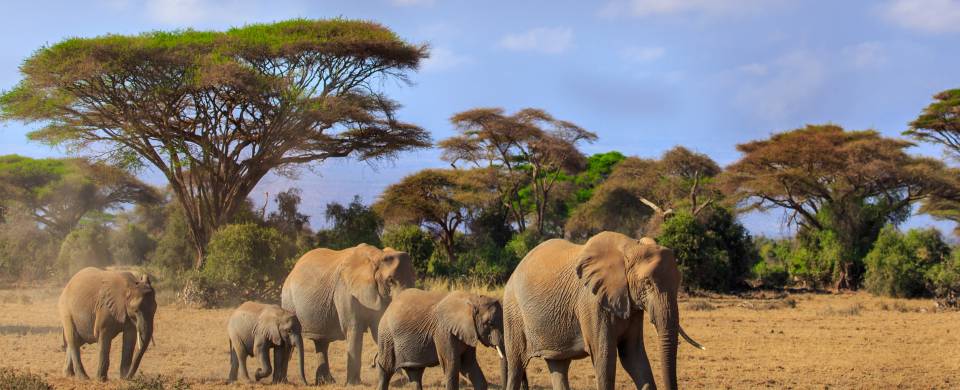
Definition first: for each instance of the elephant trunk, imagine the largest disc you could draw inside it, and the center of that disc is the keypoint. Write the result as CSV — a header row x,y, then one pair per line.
x,y
297,340
667,322
144,335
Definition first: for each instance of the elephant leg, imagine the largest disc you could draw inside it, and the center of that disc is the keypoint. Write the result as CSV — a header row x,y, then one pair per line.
x,y
384,375
415,375
104,344
72,339
516,372
450,361
323,368
126,349
240,352
471,369
604,363
279,366
633,358
68,365
234,364
354,351
558,374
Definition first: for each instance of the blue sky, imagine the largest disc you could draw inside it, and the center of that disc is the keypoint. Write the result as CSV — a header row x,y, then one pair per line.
x,y
643,74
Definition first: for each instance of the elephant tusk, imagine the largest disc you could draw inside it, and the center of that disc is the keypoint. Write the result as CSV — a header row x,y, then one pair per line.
x,y
690,340
499,352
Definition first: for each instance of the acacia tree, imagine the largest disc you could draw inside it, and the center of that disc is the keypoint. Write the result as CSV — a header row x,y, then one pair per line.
x,y
850,183
528,148
939,123
441,200
58,193
216,111
640,194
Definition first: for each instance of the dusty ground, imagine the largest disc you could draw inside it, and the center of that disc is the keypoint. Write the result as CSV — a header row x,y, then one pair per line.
x,y
799,341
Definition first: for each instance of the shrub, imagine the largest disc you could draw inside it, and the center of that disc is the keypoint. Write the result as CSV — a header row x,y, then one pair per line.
x,y
523,243
26,252
414,241
174,251
702,263
898,264
943,281
86,246
130,245
11,379
814,258
248,260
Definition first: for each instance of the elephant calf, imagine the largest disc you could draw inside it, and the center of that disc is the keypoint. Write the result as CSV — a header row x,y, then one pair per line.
x,y
256,328
426,328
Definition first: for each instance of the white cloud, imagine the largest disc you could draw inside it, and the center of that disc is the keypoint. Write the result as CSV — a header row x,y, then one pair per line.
x,y
642,54
865,55
442,59
931,16
780,88
543,40
652,8
411,3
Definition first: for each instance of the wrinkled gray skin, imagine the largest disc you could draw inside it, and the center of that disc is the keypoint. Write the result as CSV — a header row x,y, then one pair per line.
x,y
96,306
568,301
339,295
256,328
426,328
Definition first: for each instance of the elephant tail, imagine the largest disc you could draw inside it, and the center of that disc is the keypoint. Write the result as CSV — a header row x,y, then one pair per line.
x,y
690,340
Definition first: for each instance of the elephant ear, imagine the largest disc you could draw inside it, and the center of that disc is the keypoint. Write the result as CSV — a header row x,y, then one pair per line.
x,y
602,269
358,273
458,312
270,328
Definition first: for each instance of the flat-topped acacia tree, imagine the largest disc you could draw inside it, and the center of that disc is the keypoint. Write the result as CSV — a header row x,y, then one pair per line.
x,y
216,111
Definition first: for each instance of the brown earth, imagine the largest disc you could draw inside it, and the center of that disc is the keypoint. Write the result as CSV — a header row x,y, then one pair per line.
x,y
799,341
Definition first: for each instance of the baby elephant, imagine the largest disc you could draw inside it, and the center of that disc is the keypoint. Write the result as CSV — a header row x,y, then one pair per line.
x,y
425,328
254,329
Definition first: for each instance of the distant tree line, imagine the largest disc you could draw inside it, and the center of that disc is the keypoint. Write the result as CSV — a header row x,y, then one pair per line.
x,y
215,112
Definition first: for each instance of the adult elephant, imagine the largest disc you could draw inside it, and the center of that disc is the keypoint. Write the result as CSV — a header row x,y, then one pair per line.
x,y
567,301
339,294
96,306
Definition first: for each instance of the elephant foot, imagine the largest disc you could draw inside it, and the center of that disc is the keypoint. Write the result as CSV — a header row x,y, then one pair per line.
x,y
325,379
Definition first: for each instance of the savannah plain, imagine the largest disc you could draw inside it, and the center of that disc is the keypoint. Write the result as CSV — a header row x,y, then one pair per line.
x,y
764,340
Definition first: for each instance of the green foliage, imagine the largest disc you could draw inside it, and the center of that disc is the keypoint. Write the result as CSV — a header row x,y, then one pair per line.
x,y
130,244
771,270
413,240
86,246
27,253
175,250
248,260
11,379
899,264
815,258
522,243
599,167
943,280
716,254
352,224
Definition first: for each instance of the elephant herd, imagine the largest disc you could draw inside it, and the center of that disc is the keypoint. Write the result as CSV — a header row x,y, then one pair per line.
x,y
564,301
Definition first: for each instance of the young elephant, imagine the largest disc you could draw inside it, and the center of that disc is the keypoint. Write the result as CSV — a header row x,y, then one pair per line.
x,y
426,328
96,306
255,329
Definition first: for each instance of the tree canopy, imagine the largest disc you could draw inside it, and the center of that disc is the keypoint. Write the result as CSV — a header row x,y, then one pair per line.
x,y
58,193
939,123
529,148
215,111
848,182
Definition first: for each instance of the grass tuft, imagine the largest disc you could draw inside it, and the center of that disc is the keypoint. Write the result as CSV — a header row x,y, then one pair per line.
x,y
158,382
11,379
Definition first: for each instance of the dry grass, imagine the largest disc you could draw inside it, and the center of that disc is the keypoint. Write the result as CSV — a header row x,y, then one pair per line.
x,y
819,341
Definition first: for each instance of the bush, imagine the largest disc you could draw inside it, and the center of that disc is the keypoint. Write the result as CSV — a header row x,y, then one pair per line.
x,y
943,281
814,258
898,264
174,251
523,243
414,241
248,260
702,264
26,252
86,246
130,245
11,379
771,270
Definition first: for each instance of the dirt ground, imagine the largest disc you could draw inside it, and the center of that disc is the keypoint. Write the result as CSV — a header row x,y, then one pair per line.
x,y
801,341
